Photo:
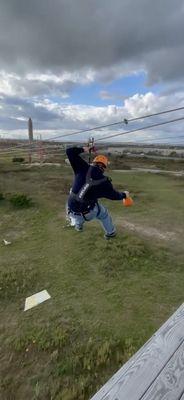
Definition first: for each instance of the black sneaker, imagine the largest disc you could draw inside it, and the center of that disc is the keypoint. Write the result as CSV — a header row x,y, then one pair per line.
x,y
108,236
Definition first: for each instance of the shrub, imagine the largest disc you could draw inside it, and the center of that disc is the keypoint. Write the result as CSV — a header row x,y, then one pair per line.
x,y
18,159
1,197
20,200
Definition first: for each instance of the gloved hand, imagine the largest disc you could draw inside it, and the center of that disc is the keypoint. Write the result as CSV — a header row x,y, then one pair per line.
x,y
89,149
128,202
127,193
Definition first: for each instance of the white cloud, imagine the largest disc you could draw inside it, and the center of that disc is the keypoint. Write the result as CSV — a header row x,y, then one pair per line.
x,y
79,43
80,113
45,84
76,77
102,36
20,118
54,118
149,103
140,104
7,83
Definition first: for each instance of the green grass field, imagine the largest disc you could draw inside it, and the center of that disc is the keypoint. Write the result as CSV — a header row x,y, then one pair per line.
x,y
107,298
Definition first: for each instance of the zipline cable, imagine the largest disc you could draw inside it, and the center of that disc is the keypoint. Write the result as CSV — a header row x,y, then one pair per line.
x,y
126,121
104,126
140,129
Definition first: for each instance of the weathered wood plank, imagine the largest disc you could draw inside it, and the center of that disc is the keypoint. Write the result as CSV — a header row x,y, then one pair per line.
x,y
182,396
169,385
139,373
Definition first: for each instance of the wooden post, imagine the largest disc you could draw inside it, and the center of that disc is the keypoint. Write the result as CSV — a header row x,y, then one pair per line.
x,y
40,149
30,133
90,144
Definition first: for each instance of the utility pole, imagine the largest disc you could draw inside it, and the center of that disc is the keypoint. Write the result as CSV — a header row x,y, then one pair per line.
x,y
91,145
40,149
30,134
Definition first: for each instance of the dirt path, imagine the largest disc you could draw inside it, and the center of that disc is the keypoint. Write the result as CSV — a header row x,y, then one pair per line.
x,y
147,231
151,170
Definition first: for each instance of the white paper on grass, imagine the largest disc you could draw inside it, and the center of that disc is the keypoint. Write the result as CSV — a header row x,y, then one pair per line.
x,y
36,299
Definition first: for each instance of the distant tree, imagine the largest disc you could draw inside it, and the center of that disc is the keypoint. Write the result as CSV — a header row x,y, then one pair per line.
x,y
173,154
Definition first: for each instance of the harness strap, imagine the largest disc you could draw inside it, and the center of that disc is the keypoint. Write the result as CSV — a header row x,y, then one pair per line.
x,y
86,212
87,185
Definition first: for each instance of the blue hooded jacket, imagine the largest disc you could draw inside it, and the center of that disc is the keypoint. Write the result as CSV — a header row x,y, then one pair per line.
x,y
104,189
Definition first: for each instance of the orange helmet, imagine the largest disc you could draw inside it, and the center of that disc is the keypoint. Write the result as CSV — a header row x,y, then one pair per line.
x,y
101,159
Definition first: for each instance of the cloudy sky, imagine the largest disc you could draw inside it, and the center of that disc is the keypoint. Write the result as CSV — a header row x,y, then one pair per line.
x,y
77,64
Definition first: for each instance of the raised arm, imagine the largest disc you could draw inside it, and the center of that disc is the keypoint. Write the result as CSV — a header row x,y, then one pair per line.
x,y
77,163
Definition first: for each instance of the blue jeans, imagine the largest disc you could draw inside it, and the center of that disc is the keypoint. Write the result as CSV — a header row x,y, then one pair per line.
x,y
98,212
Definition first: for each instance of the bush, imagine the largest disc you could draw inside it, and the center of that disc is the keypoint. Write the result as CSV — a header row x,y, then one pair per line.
x,y
18,159
1,197
20,200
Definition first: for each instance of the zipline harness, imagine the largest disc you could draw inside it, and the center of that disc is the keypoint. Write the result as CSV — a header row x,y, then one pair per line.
x,y
89,183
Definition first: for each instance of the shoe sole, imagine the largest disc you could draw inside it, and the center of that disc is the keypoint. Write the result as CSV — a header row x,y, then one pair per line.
x,y
109,237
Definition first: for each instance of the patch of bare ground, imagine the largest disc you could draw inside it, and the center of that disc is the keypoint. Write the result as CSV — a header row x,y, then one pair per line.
x,y
150,232
147,231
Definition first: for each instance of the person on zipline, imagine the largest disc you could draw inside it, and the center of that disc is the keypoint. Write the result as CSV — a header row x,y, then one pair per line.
x,y
89,185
